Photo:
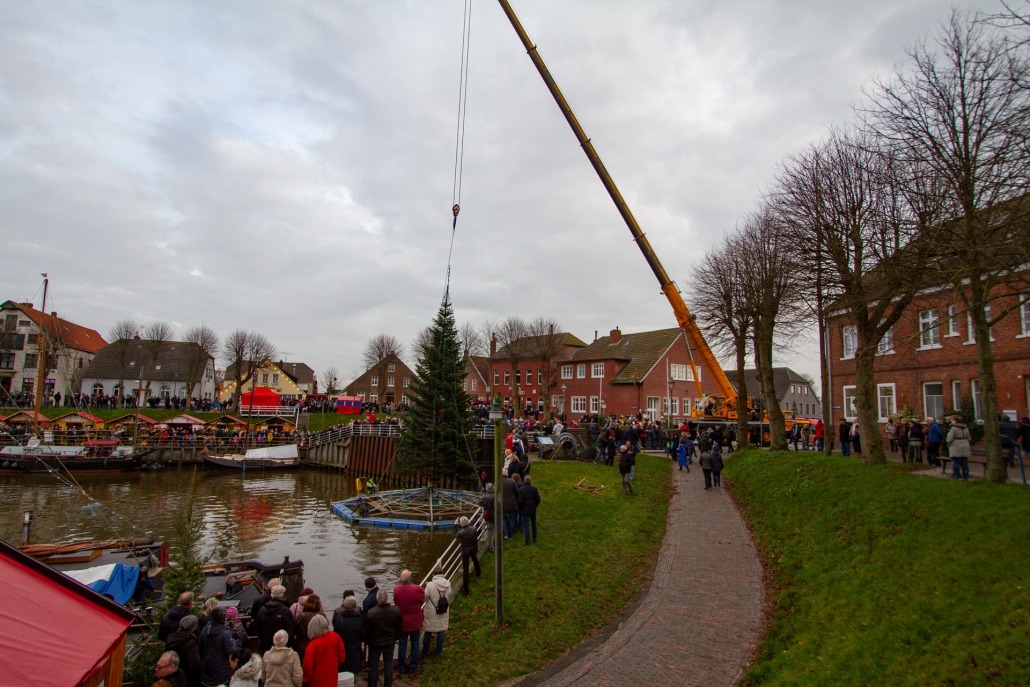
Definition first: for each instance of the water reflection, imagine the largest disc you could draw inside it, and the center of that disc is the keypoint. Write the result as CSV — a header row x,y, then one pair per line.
x,y
261,516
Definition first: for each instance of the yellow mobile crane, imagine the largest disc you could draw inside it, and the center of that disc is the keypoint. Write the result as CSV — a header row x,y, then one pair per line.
x,y
725,402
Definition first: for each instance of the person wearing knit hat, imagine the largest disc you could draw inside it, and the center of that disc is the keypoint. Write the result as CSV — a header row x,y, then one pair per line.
x,y
235,626
185,644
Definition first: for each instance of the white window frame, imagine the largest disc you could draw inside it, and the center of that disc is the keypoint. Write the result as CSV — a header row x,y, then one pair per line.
x,y
956,393
579,404
391,381
474,383
678,372
974,391
497,378
849,394
391,367
927,410
886,392
952,320
971,333
374,380
581,371
848,341
675,409
275,379
507,378
1024,316
597,371
929,329
595,405
686,405
653,403
566,371
886,345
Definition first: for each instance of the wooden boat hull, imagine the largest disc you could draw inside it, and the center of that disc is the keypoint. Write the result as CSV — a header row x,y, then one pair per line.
x,y
238,462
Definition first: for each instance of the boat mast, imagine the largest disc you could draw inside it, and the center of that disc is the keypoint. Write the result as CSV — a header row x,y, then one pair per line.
x,y
41,363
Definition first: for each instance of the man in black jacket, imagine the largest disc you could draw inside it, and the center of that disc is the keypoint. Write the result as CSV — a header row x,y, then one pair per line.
x,y
185,644
383,626
274,616
170,620
468,537
255,607
529,499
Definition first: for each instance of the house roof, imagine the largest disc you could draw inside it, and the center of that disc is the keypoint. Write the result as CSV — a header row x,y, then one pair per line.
x,y
640,351
529,343
480,364
173,361
783,377
300,373
76,415
70,334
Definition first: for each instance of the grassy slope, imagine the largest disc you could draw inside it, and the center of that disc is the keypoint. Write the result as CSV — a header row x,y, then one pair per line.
x,y
884,577
593,553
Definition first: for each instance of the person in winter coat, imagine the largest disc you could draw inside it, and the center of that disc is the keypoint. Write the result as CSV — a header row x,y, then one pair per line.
x,y
959,448
627,459
170,620
384,625
297,609
246,668
184,642
216,645
301,637
468,538
716,465
350,625
409,598
683,451
528,499
915,442
509,499
324,654
433,621
706,467
232,621
844,432
819,435
274,616
934,437
281,664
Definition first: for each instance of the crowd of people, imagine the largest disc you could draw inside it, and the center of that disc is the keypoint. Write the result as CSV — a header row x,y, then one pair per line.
x,y
304,643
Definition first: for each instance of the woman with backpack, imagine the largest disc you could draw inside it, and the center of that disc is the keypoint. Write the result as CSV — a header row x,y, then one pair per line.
x,y
436,613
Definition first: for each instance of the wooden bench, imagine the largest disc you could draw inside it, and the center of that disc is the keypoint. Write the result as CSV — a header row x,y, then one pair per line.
x,y
946,461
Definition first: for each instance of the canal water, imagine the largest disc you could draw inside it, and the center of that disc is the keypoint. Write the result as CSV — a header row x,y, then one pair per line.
x,y
262,515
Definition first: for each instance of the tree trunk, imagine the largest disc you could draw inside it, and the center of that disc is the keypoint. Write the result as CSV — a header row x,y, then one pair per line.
x,y
764,353
865,402
742,410
996,468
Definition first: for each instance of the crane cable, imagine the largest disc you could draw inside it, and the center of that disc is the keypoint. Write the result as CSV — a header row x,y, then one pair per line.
x,y
459,134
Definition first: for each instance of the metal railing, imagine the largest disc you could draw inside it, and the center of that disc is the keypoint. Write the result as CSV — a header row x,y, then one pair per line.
x,y
450,559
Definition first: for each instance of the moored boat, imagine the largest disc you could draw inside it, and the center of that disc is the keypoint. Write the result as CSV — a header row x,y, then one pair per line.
x,y
273,457
94,455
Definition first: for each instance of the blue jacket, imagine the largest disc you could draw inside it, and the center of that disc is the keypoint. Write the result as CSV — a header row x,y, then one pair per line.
x,y
935,433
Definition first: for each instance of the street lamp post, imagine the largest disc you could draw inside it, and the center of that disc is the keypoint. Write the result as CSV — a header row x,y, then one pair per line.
x,y
672,422
562,414
496,416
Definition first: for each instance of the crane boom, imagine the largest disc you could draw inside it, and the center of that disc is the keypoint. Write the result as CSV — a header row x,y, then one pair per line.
x,y
726,405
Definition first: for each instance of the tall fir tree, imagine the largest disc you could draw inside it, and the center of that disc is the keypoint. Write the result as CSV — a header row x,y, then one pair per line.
x,y
436,441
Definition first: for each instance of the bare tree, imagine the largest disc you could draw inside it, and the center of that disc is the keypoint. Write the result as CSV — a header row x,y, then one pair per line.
x,y
377,351
843,199
544,344
960,112
423,341
720,305
331,380
122,335
513,346
245,351
155,336
472,340
774,297
199,355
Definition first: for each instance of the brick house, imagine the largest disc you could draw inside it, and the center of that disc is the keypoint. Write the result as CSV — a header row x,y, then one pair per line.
x,y
477,378
535,378
928,361
72,348
387,382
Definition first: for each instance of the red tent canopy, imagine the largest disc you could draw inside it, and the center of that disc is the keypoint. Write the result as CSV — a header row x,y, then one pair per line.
x,y
38,649
263,396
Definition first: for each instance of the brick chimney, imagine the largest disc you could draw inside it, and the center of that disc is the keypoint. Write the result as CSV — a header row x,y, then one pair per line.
x,y
615,335
493,346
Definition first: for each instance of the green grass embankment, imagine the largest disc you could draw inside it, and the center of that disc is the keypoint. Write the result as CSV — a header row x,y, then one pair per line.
x,y
883,577
593,553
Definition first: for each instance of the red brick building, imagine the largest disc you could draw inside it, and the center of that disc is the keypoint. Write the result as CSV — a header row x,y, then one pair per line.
x,y
624,374
928,361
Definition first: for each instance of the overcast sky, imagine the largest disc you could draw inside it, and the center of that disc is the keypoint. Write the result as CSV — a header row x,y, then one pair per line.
x,y
288,167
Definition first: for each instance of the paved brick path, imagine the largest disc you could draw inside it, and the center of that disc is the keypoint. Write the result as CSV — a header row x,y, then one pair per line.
x,y
702,616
